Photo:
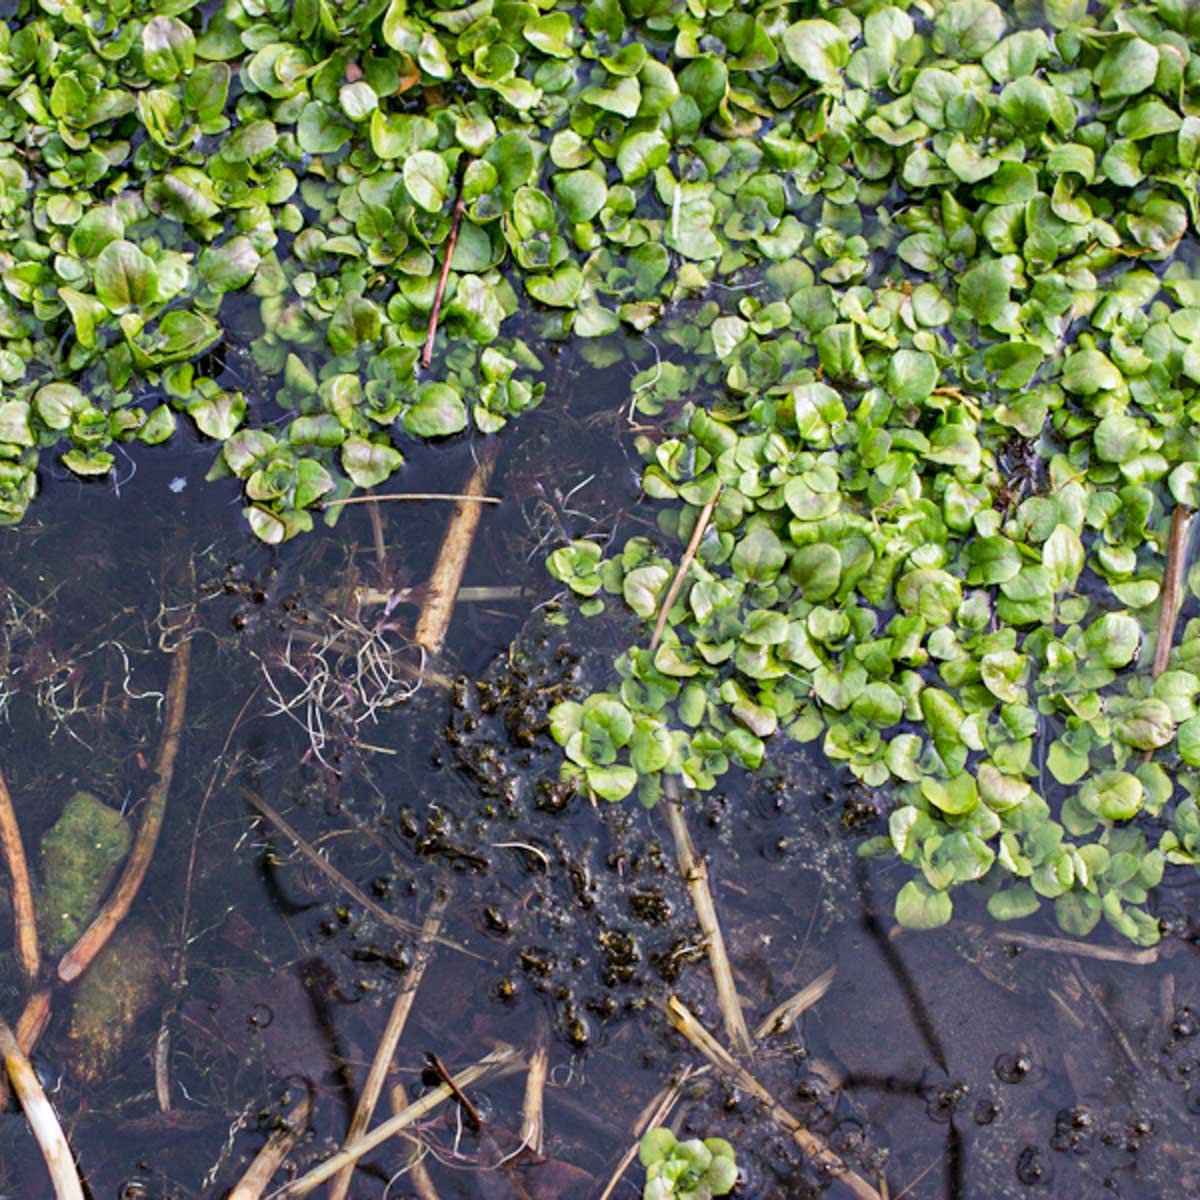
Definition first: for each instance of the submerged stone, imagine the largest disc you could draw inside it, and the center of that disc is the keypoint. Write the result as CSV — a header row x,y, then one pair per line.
x,y
80,854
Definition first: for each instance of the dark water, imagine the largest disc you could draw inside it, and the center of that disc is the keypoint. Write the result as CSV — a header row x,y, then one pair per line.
x,y
954,1064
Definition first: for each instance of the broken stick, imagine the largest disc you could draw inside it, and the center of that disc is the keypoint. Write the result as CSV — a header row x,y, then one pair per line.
x,y
684,1022
501,1061
695,875
685,562
1172,590
25,935
116,907
427,353
41,1117
270,1158
391,1037
447,573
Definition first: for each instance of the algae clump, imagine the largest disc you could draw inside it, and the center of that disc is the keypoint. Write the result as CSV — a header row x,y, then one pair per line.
x,y
80,854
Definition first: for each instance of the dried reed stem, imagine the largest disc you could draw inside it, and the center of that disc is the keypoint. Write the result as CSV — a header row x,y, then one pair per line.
x,y
434,620
270,1158
386,1050
781,1018
695,875
25,935
418,1173
460,497
113,912
1057,945
533,1122
815,1147
685,562
503,1060
41,1117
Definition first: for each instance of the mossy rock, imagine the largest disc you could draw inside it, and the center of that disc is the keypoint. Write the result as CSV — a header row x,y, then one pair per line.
x,y
80,854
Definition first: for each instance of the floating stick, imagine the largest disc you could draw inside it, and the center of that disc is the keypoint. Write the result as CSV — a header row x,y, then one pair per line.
x,y
427,354
695,875
681,571
25,935
783,1017
270,1158
116,907
41,1117
460,497
1172,592
386,1050
451,562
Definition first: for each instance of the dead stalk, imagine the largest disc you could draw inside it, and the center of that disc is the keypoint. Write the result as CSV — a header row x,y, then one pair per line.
x,y
386,1050
25,935
41,1117
365,597
335,876
434,620
784,1016
695,875
1057,945
270,1158
533,1121
1172,593
685,562
459,497
685,1023
35,1016
95,937
501,1061
434,313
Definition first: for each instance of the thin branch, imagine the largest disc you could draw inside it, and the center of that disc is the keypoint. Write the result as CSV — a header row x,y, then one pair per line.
x,y
1172,593
270,1158
1057,945
459,497
386,1050
685,562
815,1147
427,354
80,956
333,874
434,620
464,1101
41,1117
784,1016
695,875
25,935
35,1016
501,1061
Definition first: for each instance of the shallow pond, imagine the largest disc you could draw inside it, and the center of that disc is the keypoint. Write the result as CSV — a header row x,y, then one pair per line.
x,y
959,1063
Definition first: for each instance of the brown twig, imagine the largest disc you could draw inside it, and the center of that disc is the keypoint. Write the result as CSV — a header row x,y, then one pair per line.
x,y
685,1023
427,354
35,1016
464,1101
460,497
1172,593
386,1050
695,875
333,874
681,571
503,1060
270,1158
25,934
434,619
77,960
41,1117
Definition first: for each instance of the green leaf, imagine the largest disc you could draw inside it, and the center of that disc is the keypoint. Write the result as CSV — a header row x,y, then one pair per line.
x,y
438,412
124,277
918,906
168,48
1127,69
819,49
369,463
426,176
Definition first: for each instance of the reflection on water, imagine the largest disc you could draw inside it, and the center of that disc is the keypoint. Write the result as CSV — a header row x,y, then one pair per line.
x,y
960,1063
